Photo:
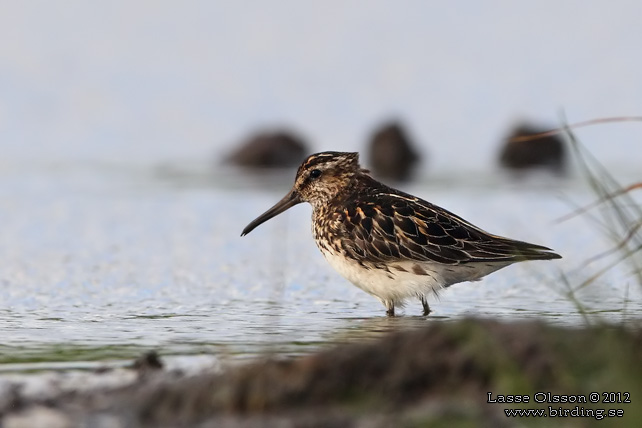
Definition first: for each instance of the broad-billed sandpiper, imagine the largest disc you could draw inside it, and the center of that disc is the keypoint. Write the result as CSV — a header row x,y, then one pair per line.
x,y
388,243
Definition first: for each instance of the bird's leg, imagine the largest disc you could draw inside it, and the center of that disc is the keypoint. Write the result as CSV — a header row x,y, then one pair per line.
x,y
390,309
424,303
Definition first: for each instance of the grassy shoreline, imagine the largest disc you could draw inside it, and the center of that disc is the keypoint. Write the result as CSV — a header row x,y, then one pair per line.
x,y
438,375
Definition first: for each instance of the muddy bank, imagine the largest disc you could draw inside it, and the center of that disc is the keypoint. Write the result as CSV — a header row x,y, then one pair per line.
x,y
441,374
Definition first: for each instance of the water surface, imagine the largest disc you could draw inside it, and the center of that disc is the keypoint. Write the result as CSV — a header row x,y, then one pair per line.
x,y
103,261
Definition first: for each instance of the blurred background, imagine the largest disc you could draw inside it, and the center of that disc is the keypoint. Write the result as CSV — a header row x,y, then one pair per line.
x,y
121,217
148,81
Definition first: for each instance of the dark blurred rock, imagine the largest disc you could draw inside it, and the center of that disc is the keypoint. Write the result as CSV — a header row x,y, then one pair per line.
x,y
276,149
391,153
148,362
548,152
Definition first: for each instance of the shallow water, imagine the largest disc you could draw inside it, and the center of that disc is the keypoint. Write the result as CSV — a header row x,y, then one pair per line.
x,y
103,261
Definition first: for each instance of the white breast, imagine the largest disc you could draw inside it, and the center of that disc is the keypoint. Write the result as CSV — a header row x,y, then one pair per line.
x,y
394,286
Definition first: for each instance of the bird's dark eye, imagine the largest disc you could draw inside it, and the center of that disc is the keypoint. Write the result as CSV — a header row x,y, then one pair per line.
x,y
315,173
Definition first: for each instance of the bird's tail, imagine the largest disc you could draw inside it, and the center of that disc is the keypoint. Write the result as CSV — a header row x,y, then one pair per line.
x,y
522,251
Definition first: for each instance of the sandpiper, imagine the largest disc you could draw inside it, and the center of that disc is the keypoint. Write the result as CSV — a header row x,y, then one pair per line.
x,y
388,243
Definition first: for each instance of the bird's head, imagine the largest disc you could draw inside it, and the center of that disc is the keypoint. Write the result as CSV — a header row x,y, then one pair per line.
x,y
320,178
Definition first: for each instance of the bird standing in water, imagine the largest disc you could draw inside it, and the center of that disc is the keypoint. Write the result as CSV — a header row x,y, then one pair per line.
x,y
388,243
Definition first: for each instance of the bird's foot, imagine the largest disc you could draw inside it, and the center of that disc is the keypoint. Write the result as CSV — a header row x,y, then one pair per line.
x,y
424,303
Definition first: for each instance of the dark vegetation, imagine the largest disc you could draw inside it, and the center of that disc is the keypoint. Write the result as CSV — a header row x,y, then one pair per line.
x,y
436,376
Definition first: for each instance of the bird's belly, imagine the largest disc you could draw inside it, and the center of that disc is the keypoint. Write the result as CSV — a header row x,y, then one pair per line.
x,y
387,285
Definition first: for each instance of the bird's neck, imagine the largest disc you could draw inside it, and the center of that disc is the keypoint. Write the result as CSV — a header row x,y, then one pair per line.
x,y
344,191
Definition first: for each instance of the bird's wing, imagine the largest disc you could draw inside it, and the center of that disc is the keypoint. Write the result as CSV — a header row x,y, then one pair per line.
x,y
398,227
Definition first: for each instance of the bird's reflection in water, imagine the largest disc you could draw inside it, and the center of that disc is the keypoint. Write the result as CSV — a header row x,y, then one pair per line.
x,y
359,329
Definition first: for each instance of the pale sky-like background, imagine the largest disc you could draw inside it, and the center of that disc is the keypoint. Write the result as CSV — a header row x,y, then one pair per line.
x,y
150,81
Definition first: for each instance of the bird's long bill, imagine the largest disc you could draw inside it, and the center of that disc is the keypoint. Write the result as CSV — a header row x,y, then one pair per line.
x,y
290,200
